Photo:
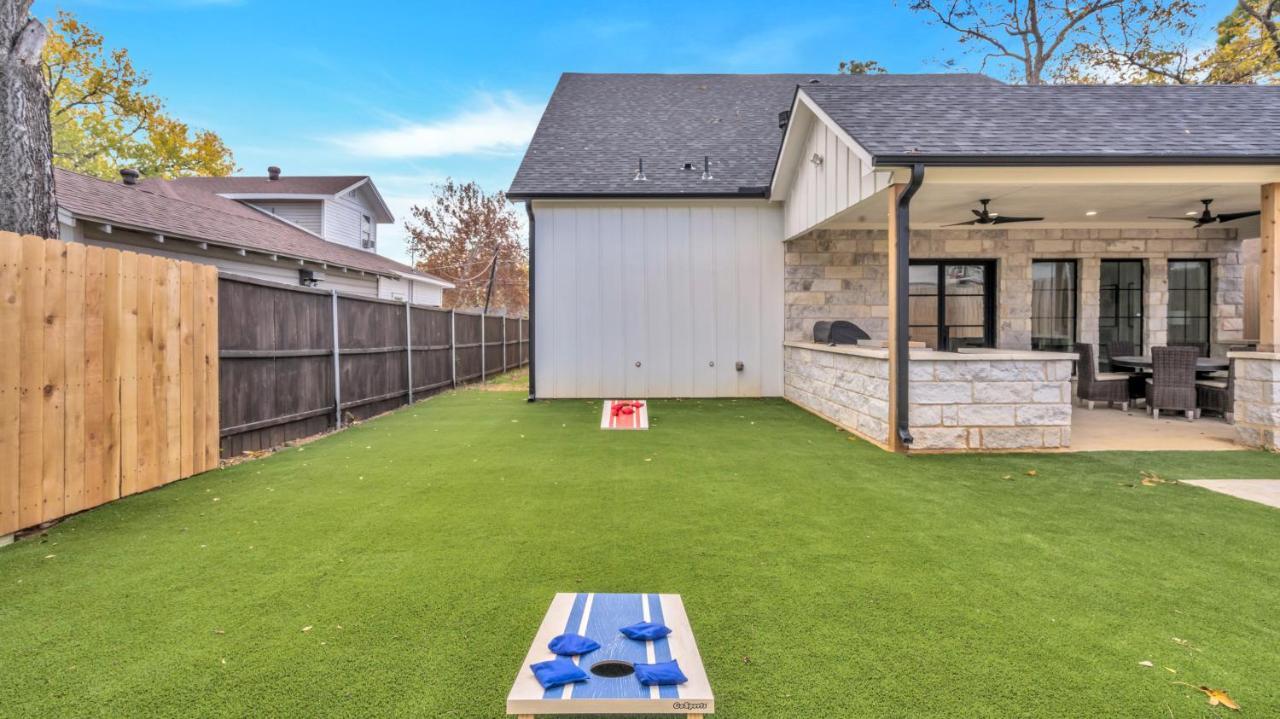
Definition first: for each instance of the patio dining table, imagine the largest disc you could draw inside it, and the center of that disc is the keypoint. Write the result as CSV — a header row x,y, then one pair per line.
x,y
1203,364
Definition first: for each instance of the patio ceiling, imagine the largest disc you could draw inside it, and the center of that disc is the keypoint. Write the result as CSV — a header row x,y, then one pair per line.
x,y
1064,196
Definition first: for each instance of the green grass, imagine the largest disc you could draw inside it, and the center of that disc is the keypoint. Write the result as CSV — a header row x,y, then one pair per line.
x,y
823,576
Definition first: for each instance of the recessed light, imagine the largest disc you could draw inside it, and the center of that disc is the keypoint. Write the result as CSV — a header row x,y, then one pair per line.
x,y
1191,214
1091,213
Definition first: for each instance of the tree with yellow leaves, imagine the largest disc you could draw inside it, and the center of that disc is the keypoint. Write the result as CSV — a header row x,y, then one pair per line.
x,y
103,119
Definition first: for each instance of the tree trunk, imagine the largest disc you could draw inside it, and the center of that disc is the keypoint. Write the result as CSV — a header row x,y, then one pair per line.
x,y
27,203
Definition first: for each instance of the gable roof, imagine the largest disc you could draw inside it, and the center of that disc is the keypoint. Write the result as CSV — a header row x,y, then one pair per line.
x,y
213,219
306,186
596,127
1088,124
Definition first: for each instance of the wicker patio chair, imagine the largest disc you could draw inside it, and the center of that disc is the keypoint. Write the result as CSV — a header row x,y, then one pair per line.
x,y
1173,381
1137,378
1094,386
1218,395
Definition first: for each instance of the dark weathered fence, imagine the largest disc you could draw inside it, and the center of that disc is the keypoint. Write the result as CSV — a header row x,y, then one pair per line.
x,y
278,355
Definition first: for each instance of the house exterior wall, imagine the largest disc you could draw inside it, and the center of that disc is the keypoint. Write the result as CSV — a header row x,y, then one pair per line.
x,y
819,190
342,217
307,214
658,299
418,293
844,274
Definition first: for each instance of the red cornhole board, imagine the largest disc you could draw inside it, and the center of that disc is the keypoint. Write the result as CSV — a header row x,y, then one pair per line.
x,y
625,414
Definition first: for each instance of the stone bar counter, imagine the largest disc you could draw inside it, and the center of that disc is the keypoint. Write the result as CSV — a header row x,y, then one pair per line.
x,y
1257,398
972,401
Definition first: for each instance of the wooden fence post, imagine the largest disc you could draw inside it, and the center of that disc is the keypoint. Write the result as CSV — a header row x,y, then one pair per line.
x,y
337,365
453,348
484,349
408,346
504,343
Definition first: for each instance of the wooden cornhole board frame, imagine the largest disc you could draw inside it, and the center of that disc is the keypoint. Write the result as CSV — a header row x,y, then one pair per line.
x,y
599,616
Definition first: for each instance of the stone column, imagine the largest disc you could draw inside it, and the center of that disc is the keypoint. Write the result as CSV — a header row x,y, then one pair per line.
x,y
1257,398
1090,269
1155,311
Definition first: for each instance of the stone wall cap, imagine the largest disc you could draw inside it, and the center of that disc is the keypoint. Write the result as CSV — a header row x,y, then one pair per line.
x,y
980,355
1254,355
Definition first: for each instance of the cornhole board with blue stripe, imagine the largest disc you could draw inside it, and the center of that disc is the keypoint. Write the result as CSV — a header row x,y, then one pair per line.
x,y
599,616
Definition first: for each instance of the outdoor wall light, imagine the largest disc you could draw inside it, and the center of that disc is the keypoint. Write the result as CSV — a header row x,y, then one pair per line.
x,y
816,160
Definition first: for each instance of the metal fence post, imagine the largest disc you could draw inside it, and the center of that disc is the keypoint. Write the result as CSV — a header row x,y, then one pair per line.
x,y
408,346
453,347
337,366
484,349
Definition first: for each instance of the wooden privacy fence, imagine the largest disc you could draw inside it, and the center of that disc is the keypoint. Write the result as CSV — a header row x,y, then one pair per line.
x,y
279,347
108,375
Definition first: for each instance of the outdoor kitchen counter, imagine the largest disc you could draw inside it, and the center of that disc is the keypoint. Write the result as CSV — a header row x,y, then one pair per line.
x,y
989,399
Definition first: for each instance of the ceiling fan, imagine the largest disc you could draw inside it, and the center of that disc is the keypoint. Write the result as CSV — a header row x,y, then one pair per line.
x,y
1208,217
986,217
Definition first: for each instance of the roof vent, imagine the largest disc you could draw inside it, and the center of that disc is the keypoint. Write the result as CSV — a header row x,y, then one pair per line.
x,y
706,167
640,172
688,166
273,173
814,81
129,175
784,117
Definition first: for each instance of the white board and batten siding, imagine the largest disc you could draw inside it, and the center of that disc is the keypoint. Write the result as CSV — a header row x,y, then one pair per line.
x,y
658,300
307,214
844,178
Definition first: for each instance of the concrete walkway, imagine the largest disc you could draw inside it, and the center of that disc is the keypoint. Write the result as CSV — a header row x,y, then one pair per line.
x,y
1262,491
1103,429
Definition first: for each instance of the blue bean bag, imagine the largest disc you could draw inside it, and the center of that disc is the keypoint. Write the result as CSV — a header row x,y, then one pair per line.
x,y
568,645
558,671
646,631
660,673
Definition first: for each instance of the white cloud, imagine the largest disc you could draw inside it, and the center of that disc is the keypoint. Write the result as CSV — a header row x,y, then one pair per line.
x,y
499,124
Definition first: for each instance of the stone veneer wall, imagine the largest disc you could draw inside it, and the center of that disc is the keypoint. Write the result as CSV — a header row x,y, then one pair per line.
x,y
1257,399
844,274
956,404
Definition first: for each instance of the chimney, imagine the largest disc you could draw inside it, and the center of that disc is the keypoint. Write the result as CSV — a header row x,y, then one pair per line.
x,y
273,173
129,175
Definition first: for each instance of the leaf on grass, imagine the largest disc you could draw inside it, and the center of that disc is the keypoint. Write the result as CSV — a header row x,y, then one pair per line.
x,y
1007,476
307,628
1146,664
218,631
1216,696
1151,479
1032,473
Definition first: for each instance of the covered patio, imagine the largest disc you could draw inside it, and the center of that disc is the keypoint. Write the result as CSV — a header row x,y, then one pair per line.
x,y
982,278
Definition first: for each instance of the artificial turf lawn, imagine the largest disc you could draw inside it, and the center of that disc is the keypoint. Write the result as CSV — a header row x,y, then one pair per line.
x,y
823,577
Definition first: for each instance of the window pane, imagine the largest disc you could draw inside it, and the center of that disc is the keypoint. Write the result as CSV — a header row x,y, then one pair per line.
x,y
923,310
1053,305
924,279
965,310
965,279
927,335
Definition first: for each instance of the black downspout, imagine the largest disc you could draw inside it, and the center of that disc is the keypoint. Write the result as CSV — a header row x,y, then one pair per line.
x,y
533,392
902,263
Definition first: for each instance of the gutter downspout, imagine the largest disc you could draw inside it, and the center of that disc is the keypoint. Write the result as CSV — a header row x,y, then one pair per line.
x,y
902,260
533,391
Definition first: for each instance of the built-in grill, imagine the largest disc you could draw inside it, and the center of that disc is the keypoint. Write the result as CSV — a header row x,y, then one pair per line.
x,y
838,332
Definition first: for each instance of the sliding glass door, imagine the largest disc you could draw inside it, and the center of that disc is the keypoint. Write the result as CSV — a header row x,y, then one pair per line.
x,y
1120,306
1053,305
952,304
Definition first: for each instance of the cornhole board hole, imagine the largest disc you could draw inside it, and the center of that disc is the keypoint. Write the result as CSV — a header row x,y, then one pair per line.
x,y
599,616
614,415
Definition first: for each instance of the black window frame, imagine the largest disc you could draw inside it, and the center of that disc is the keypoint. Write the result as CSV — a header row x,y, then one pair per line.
x,y
1075,299
1207,345
989,295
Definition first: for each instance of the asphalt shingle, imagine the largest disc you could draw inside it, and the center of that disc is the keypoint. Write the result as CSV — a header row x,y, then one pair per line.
x,y
596,127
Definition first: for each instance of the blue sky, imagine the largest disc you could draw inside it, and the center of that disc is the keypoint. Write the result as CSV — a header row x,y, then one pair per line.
x,y
413,92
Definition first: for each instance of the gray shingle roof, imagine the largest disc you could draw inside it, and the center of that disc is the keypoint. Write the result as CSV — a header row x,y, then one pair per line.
x,y
596,126
1100,122
214,219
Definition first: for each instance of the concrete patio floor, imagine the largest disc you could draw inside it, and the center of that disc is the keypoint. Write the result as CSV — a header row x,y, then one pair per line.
x,y
1262,491
1103,429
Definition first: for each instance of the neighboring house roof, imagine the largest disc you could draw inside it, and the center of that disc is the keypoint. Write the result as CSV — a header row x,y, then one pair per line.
x,y
596,127
1000,124
285,185
147,207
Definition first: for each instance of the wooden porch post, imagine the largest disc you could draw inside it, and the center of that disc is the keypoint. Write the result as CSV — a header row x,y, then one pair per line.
x,y
1269,275
895,310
